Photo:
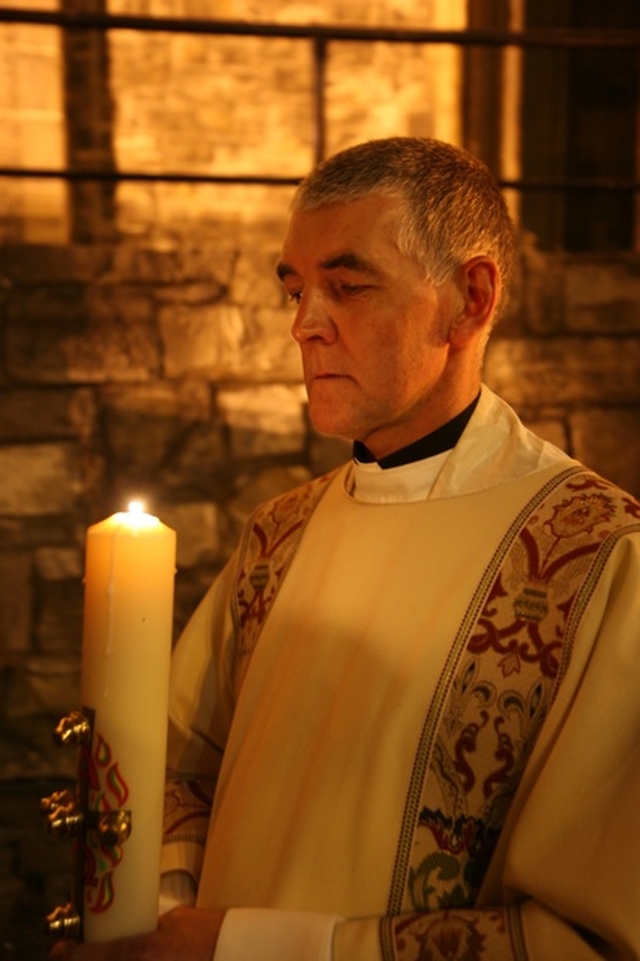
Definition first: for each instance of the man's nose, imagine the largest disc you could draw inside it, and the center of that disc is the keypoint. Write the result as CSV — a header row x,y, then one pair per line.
x,y
313,319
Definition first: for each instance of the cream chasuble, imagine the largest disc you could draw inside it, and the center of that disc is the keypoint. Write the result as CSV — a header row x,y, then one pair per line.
x,y
394,683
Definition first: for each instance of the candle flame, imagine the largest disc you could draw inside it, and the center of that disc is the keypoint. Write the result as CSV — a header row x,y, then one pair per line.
x,y
136,507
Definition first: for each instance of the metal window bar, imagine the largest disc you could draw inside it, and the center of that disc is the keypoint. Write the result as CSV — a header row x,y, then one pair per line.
x,y
321,36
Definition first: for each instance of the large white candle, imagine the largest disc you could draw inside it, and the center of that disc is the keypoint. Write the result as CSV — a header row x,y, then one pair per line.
x,y
129,585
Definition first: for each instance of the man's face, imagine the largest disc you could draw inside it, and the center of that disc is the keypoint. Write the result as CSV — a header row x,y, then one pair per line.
x,y
372,331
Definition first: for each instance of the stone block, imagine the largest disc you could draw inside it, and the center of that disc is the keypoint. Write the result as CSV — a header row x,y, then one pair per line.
x,y
565,371
58,626
16,602
206,263
222,341
185,401
191,586
237,215
173,266
540,290
187,105
54,414
263,485
31,531
133,264
38,855
58,563
27,748
198,468
254,280
328,452
383,89
39,479
271,352
200,339
145,424
196,292
264,420
54,682
68,333
197,528
553,431
608,442
602,295
37,265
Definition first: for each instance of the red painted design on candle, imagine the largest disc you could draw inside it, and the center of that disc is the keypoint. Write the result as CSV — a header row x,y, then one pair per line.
x,y
108,791
105,895
102,753
117,785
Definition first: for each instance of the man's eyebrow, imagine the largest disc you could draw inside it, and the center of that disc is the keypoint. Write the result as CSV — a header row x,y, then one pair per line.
x,y
350,261
347,260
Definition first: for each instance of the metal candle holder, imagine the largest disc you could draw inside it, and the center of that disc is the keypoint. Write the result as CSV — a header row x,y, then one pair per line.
x,y
67,815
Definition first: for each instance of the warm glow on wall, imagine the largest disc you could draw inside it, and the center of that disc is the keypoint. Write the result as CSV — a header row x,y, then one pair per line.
x,y
31,117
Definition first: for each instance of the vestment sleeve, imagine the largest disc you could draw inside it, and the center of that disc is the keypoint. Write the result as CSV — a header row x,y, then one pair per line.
x,y
200,711
273,935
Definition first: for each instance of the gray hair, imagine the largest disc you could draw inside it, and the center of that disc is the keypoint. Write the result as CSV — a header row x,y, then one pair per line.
x,y
452,208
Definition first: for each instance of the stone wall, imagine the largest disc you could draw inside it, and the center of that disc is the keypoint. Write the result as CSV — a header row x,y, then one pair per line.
x,y
170,375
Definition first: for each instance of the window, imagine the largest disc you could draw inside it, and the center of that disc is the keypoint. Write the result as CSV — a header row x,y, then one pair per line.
x,y
173,125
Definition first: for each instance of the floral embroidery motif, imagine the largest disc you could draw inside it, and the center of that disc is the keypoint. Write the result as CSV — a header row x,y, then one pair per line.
x,y
187,807
515,657
488,725
581,514
268,547
462,936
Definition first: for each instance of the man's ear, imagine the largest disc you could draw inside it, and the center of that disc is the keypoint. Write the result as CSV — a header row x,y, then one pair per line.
x,y
478,283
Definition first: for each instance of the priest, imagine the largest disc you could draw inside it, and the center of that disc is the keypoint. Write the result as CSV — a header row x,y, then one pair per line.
x,y
405,719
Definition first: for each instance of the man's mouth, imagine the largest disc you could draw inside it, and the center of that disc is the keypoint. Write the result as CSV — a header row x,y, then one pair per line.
x,y
326,375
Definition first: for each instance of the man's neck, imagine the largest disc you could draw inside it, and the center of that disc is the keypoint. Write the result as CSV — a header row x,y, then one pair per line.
x,y
436,442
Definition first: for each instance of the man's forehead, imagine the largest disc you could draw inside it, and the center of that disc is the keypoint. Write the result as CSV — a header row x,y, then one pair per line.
x,y
347,235
375,203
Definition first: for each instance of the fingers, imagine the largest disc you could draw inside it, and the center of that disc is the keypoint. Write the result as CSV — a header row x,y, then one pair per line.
x,y
127,949
62,951
184,934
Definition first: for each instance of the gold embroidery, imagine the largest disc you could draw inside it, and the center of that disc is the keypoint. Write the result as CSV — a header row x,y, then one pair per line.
x,y
487,714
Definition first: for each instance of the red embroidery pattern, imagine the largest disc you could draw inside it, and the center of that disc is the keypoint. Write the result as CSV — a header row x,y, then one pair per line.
x,y
269,544
187,807
549,553
514,658
486,727
463,936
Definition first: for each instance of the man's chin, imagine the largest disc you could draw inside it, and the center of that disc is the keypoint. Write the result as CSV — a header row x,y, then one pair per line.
x,y
330,424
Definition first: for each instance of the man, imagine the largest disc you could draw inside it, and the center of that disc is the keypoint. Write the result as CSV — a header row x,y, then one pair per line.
x,y
415,685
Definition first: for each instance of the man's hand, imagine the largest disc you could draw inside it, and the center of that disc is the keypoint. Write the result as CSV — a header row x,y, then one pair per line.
x,y
184,934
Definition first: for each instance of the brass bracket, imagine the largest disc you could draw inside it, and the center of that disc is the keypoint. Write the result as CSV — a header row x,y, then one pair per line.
x,y
65,818
67,815
64,922
74,728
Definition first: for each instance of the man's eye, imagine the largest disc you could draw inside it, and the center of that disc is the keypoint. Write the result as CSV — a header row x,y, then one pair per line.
x,y
294,296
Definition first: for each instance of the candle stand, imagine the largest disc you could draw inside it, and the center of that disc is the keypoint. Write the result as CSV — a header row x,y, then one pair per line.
x,y
67,815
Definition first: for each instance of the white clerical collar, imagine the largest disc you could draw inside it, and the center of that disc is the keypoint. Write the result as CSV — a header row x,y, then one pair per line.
x,y
371,484
494,449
